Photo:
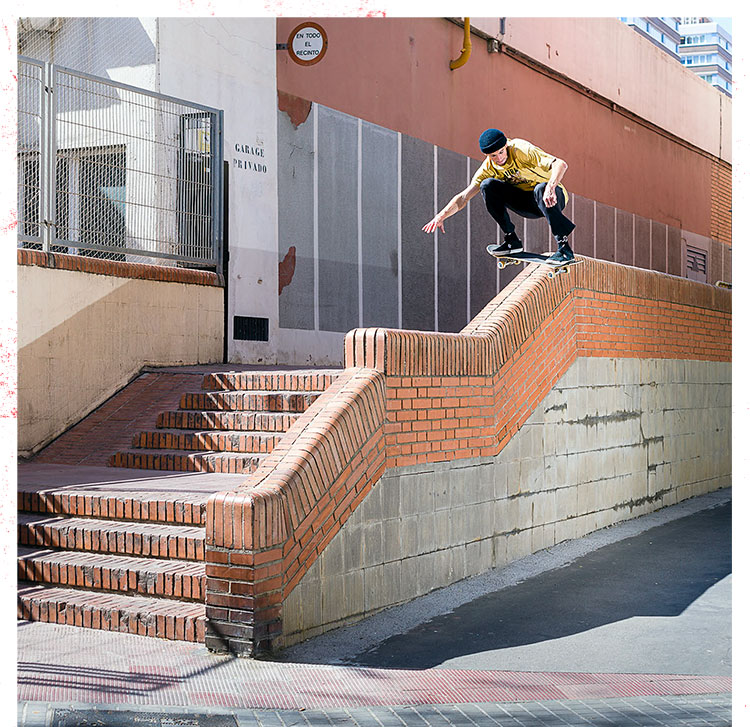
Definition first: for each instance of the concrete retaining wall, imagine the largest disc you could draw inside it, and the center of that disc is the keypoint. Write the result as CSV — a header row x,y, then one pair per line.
x,y
614,439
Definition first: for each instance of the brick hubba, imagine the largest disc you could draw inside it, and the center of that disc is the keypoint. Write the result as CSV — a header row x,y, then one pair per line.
x,y
407,397
262,538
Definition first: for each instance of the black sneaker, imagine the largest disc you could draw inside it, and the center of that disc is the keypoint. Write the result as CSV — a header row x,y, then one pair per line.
x,y
564,252
511,244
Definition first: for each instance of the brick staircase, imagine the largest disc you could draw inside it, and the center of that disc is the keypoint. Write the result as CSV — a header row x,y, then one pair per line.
x,y
131,557
229,426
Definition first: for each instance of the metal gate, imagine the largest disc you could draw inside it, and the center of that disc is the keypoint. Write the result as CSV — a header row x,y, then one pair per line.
x,y
112,171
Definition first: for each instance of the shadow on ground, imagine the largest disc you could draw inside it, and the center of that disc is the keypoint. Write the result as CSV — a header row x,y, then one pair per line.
x,y
657,573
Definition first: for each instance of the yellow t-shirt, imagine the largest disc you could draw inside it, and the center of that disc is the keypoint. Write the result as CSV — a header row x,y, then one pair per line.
x,y
527,165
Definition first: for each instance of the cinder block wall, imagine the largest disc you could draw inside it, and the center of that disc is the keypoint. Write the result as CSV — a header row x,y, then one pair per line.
x,y
566,405
87,326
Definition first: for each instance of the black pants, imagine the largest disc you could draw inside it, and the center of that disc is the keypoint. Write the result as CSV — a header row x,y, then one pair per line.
x,y
500,197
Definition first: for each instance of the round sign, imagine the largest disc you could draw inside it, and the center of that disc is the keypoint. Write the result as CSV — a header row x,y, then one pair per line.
x,y
307,44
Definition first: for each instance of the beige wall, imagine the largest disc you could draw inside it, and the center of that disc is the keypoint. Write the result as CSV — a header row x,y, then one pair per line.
x,y
82,336
609,57
614,439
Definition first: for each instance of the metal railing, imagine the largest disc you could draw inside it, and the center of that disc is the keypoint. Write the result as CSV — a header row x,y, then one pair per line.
x,y
112,171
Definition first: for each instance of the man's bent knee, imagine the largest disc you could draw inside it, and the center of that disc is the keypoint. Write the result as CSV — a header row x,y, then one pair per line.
x,y
487,184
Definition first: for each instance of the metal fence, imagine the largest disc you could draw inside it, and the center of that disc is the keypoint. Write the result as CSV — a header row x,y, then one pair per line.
x,y
112,171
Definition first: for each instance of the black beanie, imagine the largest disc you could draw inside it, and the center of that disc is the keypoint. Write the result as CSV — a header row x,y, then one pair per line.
x,y
491,140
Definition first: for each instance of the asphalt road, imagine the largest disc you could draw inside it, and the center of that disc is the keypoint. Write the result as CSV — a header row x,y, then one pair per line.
x,y
657,602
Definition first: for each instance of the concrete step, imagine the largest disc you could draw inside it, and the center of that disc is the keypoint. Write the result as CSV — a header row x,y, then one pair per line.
x,y
207,441
158,507
297,380
167,619
273,401
179,461
110,536
234,421
177,579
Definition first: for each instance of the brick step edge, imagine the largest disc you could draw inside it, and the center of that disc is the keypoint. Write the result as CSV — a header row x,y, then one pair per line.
x,y
141,508
174,461
154,617
180,580
143,540
236,442
240,421
279,381
250,401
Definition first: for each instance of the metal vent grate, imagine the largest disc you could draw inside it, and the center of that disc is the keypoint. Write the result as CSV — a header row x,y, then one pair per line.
x,y
247,328
696,264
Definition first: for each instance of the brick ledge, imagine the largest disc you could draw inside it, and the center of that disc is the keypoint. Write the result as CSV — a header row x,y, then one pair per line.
x,y
139,271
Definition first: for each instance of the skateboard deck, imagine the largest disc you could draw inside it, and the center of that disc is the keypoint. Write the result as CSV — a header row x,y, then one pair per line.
x,y
517,258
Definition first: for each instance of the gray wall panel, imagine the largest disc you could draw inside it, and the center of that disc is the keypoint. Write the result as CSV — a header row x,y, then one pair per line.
x,y
674,251
642,242
624,237
379,226
582,239
649,245
452,271
337,221
417,251
295,189
659,246
605,232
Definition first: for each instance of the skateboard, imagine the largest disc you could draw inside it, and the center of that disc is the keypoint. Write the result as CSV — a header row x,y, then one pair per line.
x,y
516,258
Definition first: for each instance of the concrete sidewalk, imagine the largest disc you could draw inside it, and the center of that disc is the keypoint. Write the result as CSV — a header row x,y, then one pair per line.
x,y
629,626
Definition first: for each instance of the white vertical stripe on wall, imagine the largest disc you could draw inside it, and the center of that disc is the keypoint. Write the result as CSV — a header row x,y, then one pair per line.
x,y
316,258
359,224
400,272
614,236
468,245
435,234
651,244
595,255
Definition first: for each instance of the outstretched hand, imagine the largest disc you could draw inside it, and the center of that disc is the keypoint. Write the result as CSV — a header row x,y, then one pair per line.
x,y
433,224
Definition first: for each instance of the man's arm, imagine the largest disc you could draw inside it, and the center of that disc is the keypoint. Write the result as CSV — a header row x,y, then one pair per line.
x,y
559,167
455,205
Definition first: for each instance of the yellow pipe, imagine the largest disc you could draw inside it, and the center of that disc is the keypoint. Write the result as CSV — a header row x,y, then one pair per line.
x,y
466,50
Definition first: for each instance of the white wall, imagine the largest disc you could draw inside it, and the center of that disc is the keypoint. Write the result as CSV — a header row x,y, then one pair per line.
x,y
230,63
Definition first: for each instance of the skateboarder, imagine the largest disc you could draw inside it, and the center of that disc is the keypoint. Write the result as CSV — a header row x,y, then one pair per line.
x,y
517,176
